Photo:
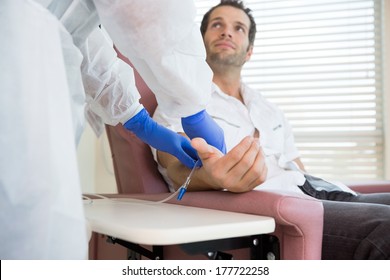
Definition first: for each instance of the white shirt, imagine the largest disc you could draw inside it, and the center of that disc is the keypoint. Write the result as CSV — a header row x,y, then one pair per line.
x,y
239,120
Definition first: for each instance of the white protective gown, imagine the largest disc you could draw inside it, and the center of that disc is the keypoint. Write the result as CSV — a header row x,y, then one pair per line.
x,y
161,40
42,102
41,214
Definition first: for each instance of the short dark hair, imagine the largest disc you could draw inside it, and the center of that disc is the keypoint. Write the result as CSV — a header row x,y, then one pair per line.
x,y
236,4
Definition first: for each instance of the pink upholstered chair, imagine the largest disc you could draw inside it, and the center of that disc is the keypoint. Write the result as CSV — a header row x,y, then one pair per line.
x,y
299,219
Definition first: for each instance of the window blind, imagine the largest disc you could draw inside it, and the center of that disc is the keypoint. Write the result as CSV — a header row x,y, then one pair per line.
x,y
320,62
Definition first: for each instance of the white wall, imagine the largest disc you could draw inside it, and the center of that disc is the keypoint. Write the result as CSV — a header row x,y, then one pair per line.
x,y
95,163
86,155
104,177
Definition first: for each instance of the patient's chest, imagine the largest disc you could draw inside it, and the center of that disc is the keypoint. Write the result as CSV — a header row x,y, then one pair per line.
x,y
239,120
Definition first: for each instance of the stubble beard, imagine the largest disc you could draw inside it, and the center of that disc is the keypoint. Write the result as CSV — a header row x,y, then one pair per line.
x,y
226,60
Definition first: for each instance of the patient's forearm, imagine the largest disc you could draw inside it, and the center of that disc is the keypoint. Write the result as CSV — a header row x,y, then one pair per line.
x,y
178,173
240,170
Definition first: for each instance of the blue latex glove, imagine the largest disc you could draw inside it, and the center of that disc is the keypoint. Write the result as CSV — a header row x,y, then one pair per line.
x,y
203,126
162,138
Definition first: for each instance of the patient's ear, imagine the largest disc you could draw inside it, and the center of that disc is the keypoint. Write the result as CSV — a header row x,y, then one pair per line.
x,y
249,53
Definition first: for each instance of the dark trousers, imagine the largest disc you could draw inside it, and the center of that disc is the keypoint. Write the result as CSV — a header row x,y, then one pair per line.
x,y
355,227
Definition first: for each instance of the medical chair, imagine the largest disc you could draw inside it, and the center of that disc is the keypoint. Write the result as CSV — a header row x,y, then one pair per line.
x,y
299,219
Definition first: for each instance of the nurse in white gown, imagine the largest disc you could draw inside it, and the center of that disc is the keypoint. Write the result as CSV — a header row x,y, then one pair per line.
x,y
42,104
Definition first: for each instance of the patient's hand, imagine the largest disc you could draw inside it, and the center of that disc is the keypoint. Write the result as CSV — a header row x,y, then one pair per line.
x,y
240,170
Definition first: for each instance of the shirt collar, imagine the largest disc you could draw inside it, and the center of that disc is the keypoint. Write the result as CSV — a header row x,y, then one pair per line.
x,y
248,95
219,92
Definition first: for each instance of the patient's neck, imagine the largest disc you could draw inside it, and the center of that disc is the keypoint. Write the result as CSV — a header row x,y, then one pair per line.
x,y
229,84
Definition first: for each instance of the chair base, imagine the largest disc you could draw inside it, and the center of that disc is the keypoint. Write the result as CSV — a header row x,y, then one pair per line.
x,y
262,247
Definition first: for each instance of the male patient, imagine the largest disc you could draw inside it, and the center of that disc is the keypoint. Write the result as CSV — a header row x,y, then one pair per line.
x,y
261,149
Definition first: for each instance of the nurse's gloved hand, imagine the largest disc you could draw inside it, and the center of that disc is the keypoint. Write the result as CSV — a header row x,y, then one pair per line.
x,y
203,126
162,138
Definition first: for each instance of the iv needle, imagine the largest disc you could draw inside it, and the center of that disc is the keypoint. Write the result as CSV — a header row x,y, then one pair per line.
x,y
183,187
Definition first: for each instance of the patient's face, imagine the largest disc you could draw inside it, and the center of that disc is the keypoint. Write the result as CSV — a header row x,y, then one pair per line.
x,y
226,38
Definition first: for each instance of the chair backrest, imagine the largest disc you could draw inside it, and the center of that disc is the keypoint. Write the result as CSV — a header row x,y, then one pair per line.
x,y
134,166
